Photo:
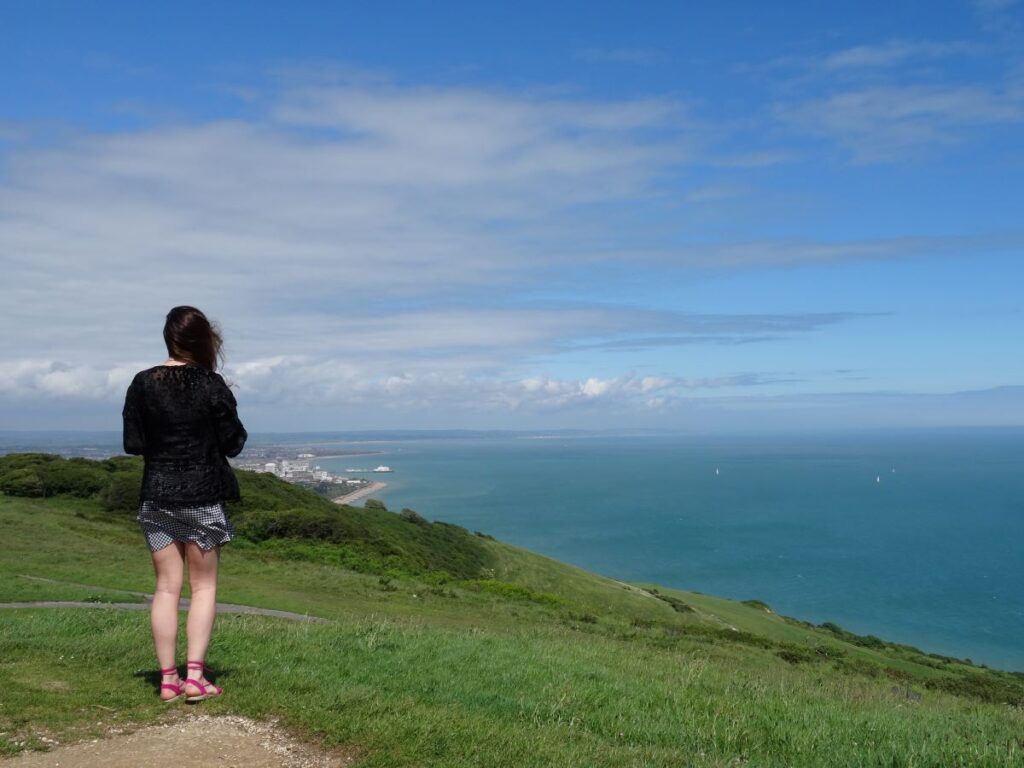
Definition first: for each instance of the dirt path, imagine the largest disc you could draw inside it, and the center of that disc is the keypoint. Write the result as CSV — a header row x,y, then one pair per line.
x,y
144,606
221,608
192,741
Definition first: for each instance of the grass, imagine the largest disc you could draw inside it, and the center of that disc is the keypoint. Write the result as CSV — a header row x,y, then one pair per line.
x,y
527,661
411,694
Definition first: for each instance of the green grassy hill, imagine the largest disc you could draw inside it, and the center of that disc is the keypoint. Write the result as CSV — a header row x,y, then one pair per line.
x,y
448,648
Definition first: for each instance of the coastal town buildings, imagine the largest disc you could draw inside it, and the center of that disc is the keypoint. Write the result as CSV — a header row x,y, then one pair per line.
x,y
298,471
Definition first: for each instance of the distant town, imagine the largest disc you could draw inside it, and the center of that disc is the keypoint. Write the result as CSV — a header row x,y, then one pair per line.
x,y
303,470
295,462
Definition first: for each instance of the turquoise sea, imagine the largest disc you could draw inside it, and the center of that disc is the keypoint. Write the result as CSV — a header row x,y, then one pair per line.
x,y
916,537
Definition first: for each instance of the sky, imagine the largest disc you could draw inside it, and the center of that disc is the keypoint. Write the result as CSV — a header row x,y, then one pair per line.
x,y
728,216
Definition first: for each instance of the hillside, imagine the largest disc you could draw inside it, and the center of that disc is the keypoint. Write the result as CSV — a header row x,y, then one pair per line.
x,y
449,648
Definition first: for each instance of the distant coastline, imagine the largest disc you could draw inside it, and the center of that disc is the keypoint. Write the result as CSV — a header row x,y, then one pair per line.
x,y
345,455
348,498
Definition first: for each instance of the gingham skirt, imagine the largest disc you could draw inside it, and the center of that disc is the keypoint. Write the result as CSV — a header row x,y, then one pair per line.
x,y
205,524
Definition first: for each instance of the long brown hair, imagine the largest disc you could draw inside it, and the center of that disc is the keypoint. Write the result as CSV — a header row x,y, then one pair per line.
x,y
191,337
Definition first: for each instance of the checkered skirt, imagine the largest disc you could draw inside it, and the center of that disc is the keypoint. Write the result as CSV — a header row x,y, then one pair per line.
x,y
205,524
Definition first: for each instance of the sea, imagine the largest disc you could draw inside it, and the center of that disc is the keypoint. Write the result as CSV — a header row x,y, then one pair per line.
x,y
914,536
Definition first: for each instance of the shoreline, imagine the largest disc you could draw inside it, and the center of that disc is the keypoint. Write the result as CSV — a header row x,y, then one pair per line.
x,y
343,455
356,495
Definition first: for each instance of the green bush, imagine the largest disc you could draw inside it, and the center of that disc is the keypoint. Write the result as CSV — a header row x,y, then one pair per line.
x,y
677,605
865,641
829,652
22,482
372,537
859,667
993,688
284,519
46,474
513,591
121,493
27,460
74,477
795,657
412,516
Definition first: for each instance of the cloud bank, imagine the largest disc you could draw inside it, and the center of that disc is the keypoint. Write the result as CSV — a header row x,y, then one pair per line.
x,y
369,244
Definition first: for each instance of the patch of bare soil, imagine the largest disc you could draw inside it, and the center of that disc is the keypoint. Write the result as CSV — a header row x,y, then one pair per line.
x,y
194,741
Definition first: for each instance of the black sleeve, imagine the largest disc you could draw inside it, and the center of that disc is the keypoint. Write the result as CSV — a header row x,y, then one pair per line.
x,y
231,435
134,437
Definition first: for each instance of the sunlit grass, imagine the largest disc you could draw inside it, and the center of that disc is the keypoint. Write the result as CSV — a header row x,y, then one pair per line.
x,y
533,663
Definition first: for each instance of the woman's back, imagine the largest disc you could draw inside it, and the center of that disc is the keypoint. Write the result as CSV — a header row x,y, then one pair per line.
x,y
183,419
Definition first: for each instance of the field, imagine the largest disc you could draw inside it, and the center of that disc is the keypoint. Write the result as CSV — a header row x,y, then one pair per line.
x,y
444,647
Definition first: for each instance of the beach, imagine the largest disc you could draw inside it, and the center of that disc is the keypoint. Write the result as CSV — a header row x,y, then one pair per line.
x,y
348,498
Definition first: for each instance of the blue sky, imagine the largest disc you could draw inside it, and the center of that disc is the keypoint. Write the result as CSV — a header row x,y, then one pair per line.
x,y
706,216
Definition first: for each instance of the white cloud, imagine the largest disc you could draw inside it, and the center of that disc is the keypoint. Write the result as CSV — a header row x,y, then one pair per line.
x,y
309,382
994,6
886,123
891,53
799,251
897,99
359,243
342,197
62,380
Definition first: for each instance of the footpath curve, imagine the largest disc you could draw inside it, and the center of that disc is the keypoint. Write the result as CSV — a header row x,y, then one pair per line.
x,y
147,598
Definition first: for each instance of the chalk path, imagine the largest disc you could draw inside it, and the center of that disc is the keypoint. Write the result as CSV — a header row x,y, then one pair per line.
x,y
144,606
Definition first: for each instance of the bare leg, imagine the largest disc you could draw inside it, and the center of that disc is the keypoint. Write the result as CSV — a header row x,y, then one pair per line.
x,y
202,579
169,564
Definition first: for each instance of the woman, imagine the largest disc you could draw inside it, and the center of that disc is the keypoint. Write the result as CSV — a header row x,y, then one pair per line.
x,y
182,418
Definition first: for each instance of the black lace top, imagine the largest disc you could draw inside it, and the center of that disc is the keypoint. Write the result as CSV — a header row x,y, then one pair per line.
x,y
183,420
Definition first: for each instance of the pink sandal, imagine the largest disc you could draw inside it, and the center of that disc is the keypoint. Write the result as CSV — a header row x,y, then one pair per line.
x,y
204,687
178,687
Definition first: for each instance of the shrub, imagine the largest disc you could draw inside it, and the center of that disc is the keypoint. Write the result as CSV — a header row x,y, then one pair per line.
x,y
512,591
897,674
22,482
280,517
677,605
858,666
986,687
45,474
121,493
412,516
795,657
864,641
830,652
27,460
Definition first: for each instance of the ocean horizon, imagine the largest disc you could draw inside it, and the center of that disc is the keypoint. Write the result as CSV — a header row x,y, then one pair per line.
x,y
909,535
912,536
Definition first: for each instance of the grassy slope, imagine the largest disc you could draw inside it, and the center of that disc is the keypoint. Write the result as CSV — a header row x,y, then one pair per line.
x,y
532,663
